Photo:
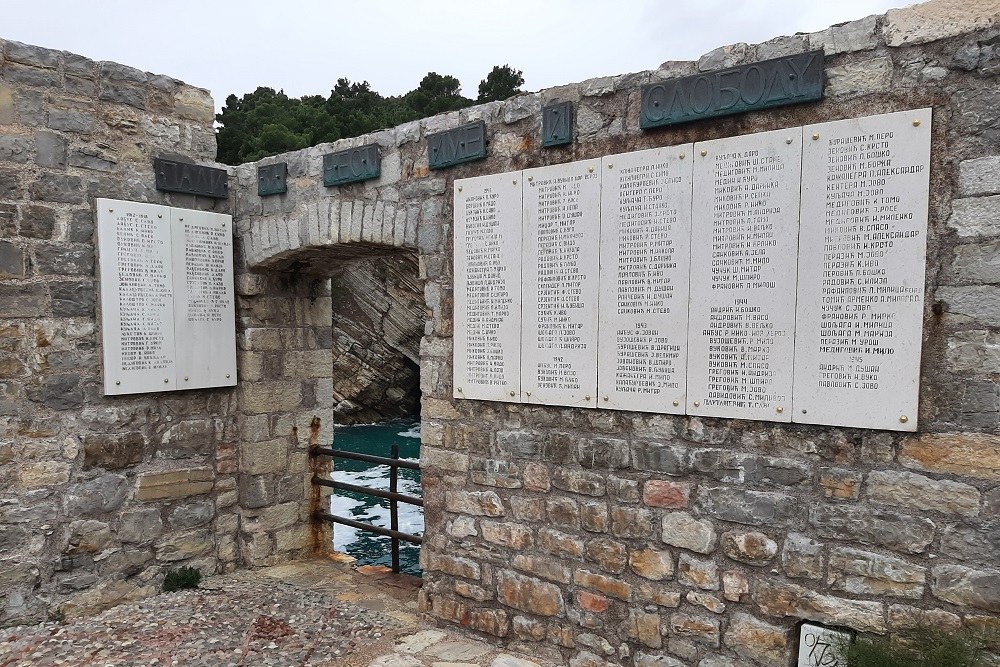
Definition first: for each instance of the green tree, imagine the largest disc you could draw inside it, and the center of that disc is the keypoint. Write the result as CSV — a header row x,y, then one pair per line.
x,y
268,122
502,82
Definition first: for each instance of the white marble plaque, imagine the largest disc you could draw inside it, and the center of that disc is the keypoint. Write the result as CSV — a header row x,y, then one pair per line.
x,y
861,271
743,248
562,223
136,297
645,259
487,358
204,303
821,647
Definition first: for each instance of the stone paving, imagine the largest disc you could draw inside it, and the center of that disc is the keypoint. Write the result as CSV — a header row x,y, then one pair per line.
x,y
307,613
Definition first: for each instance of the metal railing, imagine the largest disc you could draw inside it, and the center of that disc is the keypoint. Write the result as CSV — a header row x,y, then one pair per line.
x,y
392,495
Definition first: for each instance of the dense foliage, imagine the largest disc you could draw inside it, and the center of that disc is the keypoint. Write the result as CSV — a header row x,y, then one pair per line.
x,y
928,647
266,122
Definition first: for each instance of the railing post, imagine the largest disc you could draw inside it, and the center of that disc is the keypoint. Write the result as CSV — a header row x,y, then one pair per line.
x,y
393,508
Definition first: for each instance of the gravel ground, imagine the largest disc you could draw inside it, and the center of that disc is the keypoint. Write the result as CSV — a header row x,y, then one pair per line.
x,y
309,613
245,619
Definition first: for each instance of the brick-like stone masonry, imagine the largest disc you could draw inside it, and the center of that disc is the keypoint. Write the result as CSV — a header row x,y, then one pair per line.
x,y
600,537
585,536
100,497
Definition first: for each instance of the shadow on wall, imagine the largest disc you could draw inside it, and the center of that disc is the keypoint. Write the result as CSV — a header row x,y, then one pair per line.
x,y
378,320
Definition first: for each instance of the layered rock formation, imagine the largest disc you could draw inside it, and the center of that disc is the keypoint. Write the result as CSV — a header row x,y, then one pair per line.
x,y
378,319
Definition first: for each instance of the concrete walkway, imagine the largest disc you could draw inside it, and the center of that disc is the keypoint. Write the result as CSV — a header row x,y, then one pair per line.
x,y
308,613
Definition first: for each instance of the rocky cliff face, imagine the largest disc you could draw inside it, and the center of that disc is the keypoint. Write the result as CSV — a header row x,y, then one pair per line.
x,y
378,319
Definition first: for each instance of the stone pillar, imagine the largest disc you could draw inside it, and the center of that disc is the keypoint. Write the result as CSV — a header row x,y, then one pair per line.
x,y
285,400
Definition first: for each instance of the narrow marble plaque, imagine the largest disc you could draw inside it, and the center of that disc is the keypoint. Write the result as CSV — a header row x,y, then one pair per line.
x,y
822,647
645,259
487,353
743,249
137,314
562,223
204,303
861,271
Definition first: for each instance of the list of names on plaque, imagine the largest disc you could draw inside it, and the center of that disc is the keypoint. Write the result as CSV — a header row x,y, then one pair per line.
x,y
645,258
144,293
205,272
562,219
776,276
488,287
136,297
167,304
861,271
204,303
743,261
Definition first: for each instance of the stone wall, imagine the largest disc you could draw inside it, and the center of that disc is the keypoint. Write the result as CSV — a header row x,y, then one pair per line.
x,y
100,497
600,537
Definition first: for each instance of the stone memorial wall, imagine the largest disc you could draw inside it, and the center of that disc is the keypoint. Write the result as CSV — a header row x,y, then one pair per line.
x,y
632,537
638,228
104,491
166,280
588,536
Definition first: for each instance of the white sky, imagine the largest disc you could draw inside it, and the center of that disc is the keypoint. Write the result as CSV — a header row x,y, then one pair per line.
x,y
304,46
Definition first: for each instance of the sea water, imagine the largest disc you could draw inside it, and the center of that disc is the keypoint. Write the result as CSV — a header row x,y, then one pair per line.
x,y
377,439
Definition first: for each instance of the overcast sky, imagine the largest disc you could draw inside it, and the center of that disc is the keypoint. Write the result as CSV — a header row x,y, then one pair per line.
x,y
304,46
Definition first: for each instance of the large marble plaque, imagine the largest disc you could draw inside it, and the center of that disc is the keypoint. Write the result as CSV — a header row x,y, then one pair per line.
x,y
562,223
137,311
488,287
861,271
645,259
743,247
204,303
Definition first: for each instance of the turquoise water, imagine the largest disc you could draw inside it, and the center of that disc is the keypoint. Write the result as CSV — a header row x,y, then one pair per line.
x,y
376,439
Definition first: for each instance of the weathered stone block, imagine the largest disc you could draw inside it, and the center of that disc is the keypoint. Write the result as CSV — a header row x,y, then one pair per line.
x,y
578,481
702,629
752,548
846,38
753,508
966,586
766,644
680,529
658,457
977,216
271,396
594,517
192,515
869,574
174,483
140,526
542,567
979,176
113,452
475,503
909,489
100,495
652,564
59,188
893,531
802,557
529,594
840,484
258,458
664,493
931,21
511,535
560,544
969,454
88,536
631,522
43,474
608,555
563,512
29,300
783,599
693,571
734,585
182,546
616,588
